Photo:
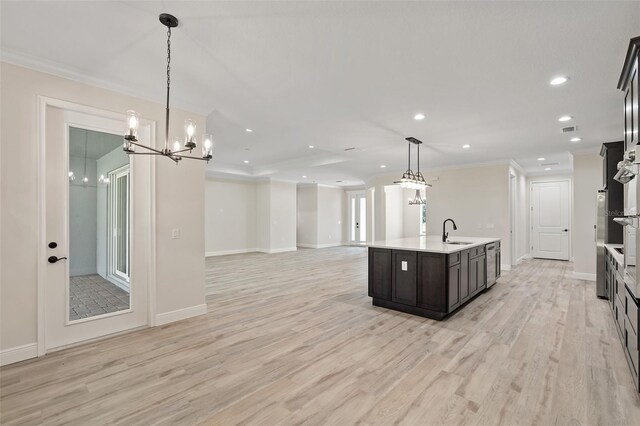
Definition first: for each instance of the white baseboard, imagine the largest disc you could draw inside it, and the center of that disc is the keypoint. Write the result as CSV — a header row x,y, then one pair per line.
x,y
280,250
311,246
318,246
505,267
583,276
226,252
18,353
523,258
180,314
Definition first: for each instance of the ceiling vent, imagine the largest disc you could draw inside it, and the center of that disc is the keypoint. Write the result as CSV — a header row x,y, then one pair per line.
x,y
350,149
549,164
569,129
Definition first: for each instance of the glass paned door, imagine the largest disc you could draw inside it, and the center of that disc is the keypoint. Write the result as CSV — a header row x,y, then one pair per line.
x,y
358,218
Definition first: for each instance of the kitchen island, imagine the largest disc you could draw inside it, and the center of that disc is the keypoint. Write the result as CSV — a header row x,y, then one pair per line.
x,y
426,277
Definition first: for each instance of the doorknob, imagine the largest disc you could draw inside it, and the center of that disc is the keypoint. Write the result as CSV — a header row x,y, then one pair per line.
x,y
52,245
565,230
54,259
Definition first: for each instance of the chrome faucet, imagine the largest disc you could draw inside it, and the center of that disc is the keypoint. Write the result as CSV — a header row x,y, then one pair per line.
x,y
445,235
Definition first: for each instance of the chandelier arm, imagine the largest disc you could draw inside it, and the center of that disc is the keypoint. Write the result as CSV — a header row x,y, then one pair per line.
x,y
146,147
196,158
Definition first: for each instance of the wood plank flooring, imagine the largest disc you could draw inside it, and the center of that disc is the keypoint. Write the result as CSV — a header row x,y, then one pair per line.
x,y
292,338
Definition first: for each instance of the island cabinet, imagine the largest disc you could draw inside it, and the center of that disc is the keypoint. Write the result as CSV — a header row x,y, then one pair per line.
x,y
424,283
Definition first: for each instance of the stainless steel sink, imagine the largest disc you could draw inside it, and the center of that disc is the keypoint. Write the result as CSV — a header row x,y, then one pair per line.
x,y
458,243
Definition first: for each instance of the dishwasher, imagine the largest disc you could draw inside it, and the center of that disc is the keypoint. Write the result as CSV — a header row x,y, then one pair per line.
x,y
491,265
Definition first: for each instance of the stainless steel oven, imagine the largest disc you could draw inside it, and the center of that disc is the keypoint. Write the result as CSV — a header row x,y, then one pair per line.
x,y
628,170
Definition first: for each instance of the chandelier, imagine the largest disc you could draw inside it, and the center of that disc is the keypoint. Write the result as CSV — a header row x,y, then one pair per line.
x,y
175,152
411,180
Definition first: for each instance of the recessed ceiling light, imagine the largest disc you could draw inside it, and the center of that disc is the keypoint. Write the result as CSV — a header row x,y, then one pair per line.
x,y
547,168
382,166
565,118
576,139
558,80
311,146
249,130
466,146
304,177
246,161
541,158
418,116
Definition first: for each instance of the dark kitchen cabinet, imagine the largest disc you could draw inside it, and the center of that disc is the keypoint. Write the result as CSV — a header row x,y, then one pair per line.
x,y
428,284
628,83
454,287
403,282
432,281
498,260
612,153
380,273
465,293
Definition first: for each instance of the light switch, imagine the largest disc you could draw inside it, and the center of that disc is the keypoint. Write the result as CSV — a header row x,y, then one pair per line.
x,y
404,265
175,233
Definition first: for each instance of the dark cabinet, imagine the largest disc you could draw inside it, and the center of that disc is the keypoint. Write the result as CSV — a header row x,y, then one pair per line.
x,y
454,287
403,282
423,283
628,83
432,281
380,273
465,292
498,260
612,153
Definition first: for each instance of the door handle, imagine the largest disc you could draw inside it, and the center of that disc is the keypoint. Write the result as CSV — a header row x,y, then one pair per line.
x,y
565,230
54,259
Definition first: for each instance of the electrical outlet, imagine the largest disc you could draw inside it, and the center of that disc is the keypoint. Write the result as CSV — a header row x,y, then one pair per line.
x,y
175,233
405,267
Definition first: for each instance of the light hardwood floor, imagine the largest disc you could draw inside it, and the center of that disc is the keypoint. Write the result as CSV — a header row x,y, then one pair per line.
x,y
293,338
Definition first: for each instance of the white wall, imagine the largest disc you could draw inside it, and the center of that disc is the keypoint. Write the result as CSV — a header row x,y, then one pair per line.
x,y
307,216
179,200
477,199
283,217
331,216
587,179
230,217
394,211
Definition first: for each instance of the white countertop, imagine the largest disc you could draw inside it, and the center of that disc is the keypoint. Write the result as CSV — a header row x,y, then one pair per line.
x,y
432,244
616,255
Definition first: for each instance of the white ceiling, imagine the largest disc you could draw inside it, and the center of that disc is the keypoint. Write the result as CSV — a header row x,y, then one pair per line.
x,y
351,74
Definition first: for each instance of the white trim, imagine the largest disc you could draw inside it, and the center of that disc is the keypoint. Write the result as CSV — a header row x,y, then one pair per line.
x,y
280,250
42,103
18,353
583,276
554,178
320,246
180,314
50,67
523,258
227,252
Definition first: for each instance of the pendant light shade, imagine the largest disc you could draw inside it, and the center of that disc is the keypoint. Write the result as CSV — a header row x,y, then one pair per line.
x,y
411,180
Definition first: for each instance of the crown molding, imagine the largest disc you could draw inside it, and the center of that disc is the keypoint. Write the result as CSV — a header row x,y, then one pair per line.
x,y
59,70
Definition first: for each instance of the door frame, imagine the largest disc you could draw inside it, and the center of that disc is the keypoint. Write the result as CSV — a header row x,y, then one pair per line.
x,y
356,193
43,102
567,179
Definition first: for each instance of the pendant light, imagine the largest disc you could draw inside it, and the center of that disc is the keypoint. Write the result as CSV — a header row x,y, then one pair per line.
x,y
411,180
174,152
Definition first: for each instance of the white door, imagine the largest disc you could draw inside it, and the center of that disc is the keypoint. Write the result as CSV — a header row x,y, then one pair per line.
x,y
81,161
357,218
550,220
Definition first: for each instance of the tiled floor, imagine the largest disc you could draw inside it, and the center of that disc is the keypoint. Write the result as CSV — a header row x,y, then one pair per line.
x,y
92,295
